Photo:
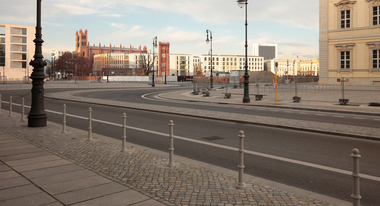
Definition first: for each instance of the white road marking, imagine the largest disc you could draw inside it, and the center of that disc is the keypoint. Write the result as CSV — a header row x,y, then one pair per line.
x,y
358,118
274,110
284,159
377,119
288,111
260,109
338,116
303,113
321,114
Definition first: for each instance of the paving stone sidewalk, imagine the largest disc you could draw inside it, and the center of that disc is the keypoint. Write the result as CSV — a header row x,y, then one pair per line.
x,y
145,170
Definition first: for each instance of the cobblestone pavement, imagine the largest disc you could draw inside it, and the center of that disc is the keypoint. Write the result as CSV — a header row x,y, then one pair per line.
x,y
341,129
146,171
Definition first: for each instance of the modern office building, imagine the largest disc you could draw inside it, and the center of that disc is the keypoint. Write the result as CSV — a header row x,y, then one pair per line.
x,y
268,51
16,51
349,41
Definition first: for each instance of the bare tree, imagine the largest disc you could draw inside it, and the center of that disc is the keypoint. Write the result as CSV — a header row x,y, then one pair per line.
x,y
145,63
73,63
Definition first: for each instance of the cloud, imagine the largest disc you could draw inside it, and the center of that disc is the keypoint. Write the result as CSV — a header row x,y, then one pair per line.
x,y
116,25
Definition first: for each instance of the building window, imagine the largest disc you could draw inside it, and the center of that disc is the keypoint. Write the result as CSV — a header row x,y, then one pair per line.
x,y
2,40
24,40
345,19
375,59
23,31
24,48
345,60
23,64
376,15
23,56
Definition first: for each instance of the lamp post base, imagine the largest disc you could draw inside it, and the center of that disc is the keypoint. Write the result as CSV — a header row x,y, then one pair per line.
x,y
38,120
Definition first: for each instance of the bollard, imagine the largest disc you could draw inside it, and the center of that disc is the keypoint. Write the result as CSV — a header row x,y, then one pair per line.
x,y
22,109
124,137
10,106
241,184
89,124
355,174
0,103
171,148
64,119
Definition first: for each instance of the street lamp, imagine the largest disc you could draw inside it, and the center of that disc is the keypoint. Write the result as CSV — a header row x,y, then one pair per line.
x,y
154,46
207,41
166,56
246,98
37,116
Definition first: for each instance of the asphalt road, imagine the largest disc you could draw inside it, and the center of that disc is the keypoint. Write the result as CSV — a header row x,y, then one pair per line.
x,y
325,150
149,98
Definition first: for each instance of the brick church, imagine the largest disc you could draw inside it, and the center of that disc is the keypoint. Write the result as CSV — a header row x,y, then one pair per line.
x,y
82,46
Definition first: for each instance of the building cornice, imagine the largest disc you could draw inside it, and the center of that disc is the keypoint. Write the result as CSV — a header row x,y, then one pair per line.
x,y
345,46
344,3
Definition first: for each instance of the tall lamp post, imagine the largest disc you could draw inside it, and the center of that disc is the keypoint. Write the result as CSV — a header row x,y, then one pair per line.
x,y
37,116
246,98
154,46
166,56
207,41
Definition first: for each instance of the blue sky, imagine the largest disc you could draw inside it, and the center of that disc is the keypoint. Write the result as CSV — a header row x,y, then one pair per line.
x,y
292,24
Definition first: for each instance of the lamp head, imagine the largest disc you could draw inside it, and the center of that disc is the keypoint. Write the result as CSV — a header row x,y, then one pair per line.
x,y
207,40
242,3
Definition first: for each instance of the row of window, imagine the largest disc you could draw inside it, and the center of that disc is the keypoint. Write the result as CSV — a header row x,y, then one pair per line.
x,y
345,59
345,17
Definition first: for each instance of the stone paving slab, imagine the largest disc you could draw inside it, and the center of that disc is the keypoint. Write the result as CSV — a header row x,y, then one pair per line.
x,y
41,165
18,191
30,200
8,174
81,195
145,171
59,178
129,197
19,151
32,160
76,184
57,170
25,156
13,182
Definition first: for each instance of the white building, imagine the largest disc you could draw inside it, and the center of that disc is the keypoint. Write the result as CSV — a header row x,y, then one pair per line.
x,y
16,51
183,64
226,63
268,51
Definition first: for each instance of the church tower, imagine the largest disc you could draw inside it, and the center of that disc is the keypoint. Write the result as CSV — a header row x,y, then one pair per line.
x,y
82,46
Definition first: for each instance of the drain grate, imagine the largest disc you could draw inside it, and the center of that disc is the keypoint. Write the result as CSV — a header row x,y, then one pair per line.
x,y
212,138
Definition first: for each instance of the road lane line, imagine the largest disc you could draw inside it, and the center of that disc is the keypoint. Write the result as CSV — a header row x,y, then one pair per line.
x,y
321,114
303,113
358,118
284,159
338,116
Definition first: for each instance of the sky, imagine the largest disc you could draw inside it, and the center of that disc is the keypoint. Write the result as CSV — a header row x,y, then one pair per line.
x,y
292,24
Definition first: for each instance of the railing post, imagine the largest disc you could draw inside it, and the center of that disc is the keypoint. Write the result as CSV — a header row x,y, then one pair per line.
x,y
22,109
171,148
124,138
10,106
356,176
241,184
89,124
64,119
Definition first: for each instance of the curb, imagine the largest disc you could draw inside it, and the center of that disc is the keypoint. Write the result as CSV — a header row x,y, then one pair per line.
x,y
279,107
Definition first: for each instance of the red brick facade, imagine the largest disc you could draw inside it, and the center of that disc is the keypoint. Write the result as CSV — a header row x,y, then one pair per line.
x,y
82,46
163,58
